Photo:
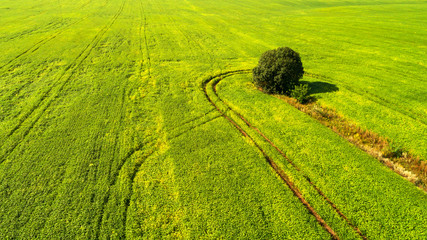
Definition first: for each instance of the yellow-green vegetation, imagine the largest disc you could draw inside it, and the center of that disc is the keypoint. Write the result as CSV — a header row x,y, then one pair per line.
x,y
343,172
124,119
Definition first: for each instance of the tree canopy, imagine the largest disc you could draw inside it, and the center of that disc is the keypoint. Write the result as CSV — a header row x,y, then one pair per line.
x,y
278,71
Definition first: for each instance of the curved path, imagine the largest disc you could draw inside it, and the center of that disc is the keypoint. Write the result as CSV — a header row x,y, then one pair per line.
x,y
212,82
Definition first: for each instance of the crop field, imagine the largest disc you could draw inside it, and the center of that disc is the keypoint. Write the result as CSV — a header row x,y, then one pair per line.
x,y
138,119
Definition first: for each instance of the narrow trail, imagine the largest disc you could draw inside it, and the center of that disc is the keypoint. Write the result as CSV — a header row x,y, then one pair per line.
x,y
66,77
214,80
43,41
136,169
143,35
36,46
190,128
8,66
281,173
114,181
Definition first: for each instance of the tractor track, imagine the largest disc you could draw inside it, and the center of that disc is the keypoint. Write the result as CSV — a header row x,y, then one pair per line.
x,y
215,80
143,34
192,121
12,63
270,161
72,67
40,43
193,127
132,178
66,75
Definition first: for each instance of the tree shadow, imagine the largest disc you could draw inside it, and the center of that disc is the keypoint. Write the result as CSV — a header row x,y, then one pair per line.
x,y
320,87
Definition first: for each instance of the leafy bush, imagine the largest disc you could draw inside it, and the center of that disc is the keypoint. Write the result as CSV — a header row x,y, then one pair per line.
x,y
393,151
300,93
278,71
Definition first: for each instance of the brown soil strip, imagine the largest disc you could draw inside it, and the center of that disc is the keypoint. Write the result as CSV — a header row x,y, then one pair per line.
x,y
287,159
279,171
306,177
402,162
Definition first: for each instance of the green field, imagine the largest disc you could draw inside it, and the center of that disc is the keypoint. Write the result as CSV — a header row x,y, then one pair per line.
x,y
137,119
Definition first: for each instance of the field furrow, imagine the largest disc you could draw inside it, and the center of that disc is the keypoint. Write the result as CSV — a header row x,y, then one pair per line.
x,y
304,162
279,171
215,80
47,98
139,119
36,46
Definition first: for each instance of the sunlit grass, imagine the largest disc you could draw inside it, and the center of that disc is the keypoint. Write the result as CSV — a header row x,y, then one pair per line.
x,y
105,130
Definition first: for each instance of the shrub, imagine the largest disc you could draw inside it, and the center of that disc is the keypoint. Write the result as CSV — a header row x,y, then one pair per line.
x,y
278,71
393,151
300,93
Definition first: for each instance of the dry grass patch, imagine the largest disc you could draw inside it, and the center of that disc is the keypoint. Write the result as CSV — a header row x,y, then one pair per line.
x,y
398,159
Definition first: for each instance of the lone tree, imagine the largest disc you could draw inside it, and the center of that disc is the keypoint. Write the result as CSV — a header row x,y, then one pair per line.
x,y
278,71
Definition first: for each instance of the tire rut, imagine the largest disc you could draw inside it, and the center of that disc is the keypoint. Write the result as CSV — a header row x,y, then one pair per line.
x,y
66,75
143,34
215,80
193,127
115,178
39,44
